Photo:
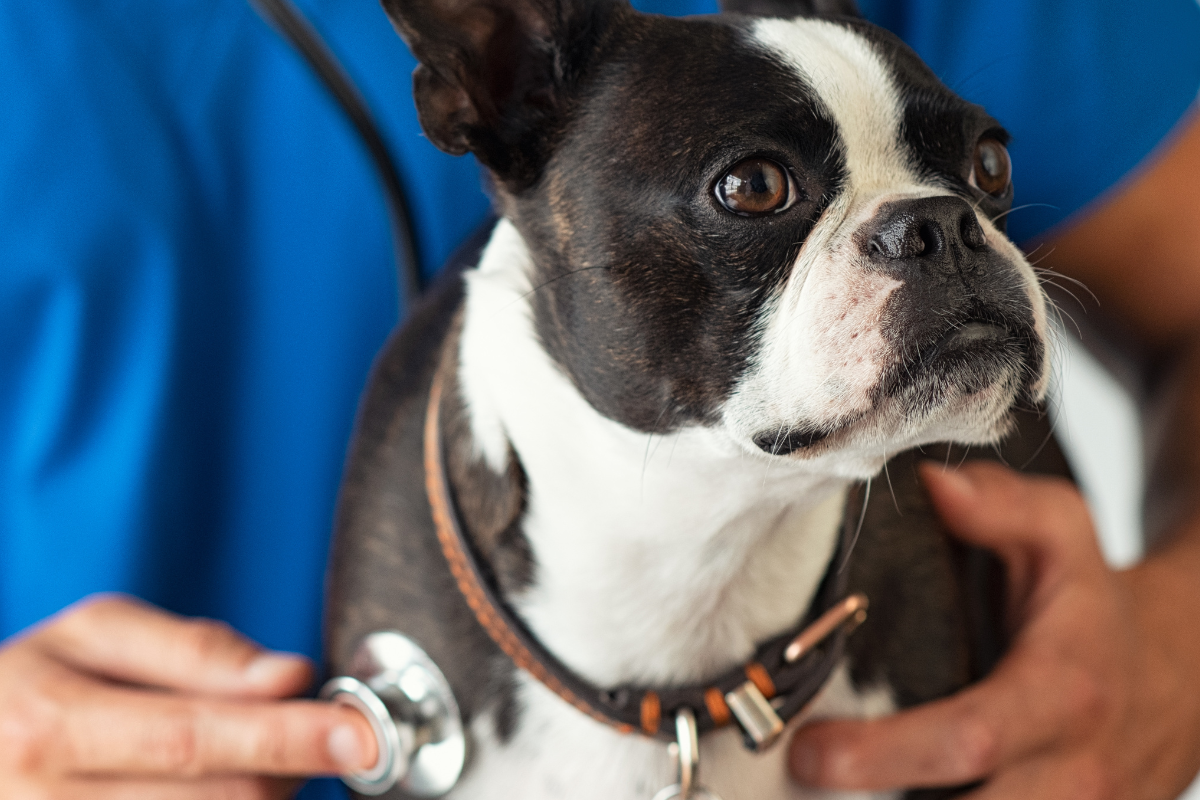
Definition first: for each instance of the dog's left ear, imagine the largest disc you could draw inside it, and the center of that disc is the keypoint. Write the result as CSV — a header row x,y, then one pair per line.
x,y
792,8
496,77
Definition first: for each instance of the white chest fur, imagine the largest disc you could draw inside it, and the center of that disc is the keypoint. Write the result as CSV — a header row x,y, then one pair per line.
x,y
659,559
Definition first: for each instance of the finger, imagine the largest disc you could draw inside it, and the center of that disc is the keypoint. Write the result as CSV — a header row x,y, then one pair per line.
x,y
128,640
105,730
212,789
1024,706
991,505
1051,777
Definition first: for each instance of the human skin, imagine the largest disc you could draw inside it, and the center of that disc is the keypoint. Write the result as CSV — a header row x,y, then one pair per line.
x,y
1099,696
115,699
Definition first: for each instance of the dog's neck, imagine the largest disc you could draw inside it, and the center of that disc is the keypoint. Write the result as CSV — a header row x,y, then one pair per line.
x,y
658,559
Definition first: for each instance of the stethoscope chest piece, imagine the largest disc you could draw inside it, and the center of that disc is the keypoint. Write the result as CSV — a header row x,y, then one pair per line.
x,y
412,711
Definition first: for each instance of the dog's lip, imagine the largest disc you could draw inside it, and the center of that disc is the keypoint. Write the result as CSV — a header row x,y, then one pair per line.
x,y
963,336
784,442
985,333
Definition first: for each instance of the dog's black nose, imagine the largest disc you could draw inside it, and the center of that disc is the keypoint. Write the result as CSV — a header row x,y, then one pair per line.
x,y
937,231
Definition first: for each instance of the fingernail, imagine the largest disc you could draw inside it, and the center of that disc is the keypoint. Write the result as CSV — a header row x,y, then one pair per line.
x,y
268,670
345,748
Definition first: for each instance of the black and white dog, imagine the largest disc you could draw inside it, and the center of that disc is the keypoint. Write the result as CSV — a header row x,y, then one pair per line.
x,y
742,261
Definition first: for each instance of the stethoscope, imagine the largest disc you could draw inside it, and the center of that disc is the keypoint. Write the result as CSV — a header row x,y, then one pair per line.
x,y
417,725
391,681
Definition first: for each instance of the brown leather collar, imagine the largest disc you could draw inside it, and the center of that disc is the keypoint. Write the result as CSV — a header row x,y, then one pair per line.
x,y
785,673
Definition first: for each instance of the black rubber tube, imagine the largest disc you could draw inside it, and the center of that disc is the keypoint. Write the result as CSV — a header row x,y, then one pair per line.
x,y
292,25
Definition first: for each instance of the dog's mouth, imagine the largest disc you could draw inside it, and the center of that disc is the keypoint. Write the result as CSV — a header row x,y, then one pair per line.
x,y
976,351
786,440
962,346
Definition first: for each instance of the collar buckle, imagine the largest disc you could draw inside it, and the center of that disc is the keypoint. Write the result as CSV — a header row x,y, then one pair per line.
x,y
755,715
754,712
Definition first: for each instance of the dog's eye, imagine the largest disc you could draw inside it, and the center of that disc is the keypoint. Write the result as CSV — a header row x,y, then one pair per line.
x,y
992,170
755,186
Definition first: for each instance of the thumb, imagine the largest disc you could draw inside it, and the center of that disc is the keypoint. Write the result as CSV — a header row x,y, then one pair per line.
x,y
992,506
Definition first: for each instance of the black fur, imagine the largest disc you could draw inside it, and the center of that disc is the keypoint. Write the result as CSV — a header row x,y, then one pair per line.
x,y
649,287
605,132
498,78
792,8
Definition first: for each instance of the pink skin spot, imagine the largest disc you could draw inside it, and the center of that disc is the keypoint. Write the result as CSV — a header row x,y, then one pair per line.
x,y
848,339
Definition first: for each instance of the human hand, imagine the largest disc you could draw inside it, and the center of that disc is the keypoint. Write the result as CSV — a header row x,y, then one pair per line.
x,y
113,698
1099,695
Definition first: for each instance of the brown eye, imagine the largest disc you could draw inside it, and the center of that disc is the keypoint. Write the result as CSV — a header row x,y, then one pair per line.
x,y
992,171
755,186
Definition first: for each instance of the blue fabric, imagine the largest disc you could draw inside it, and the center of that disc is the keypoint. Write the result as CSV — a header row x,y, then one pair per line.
x,y
195,265
195,271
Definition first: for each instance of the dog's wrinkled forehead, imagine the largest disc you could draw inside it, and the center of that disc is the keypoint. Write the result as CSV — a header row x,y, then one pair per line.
x,y
831,92
853,85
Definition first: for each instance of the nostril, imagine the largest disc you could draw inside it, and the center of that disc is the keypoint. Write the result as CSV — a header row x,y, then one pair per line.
x,y
972,234
933,239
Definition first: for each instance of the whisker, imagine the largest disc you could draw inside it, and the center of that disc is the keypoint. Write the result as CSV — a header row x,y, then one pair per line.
x,y
1003,214
1048,271
896,503
557,278
862,517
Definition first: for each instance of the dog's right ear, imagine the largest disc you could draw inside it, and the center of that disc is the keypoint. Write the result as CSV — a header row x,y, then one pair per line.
x,y
496,76
792,8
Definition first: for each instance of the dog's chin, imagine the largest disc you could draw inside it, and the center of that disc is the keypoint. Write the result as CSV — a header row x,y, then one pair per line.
x,y
960,387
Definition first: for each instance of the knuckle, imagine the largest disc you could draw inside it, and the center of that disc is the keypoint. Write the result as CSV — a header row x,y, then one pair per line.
x,y
977,747
271,748
82,619
176,748
20,744
96,607
207,640
26,734
1087,702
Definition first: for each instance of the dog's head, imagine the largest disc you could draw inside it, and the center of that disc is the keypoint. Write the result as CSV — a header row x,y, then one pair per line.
x,y
777,222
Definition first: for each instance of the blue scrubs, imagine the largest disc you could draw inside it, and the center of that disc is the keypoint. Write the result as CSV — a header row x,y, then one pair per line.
x,y
196,269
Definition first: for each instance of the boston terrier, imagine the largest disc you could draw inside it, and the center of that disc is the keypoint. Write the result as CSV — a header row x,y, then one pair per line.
x,y
741,262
